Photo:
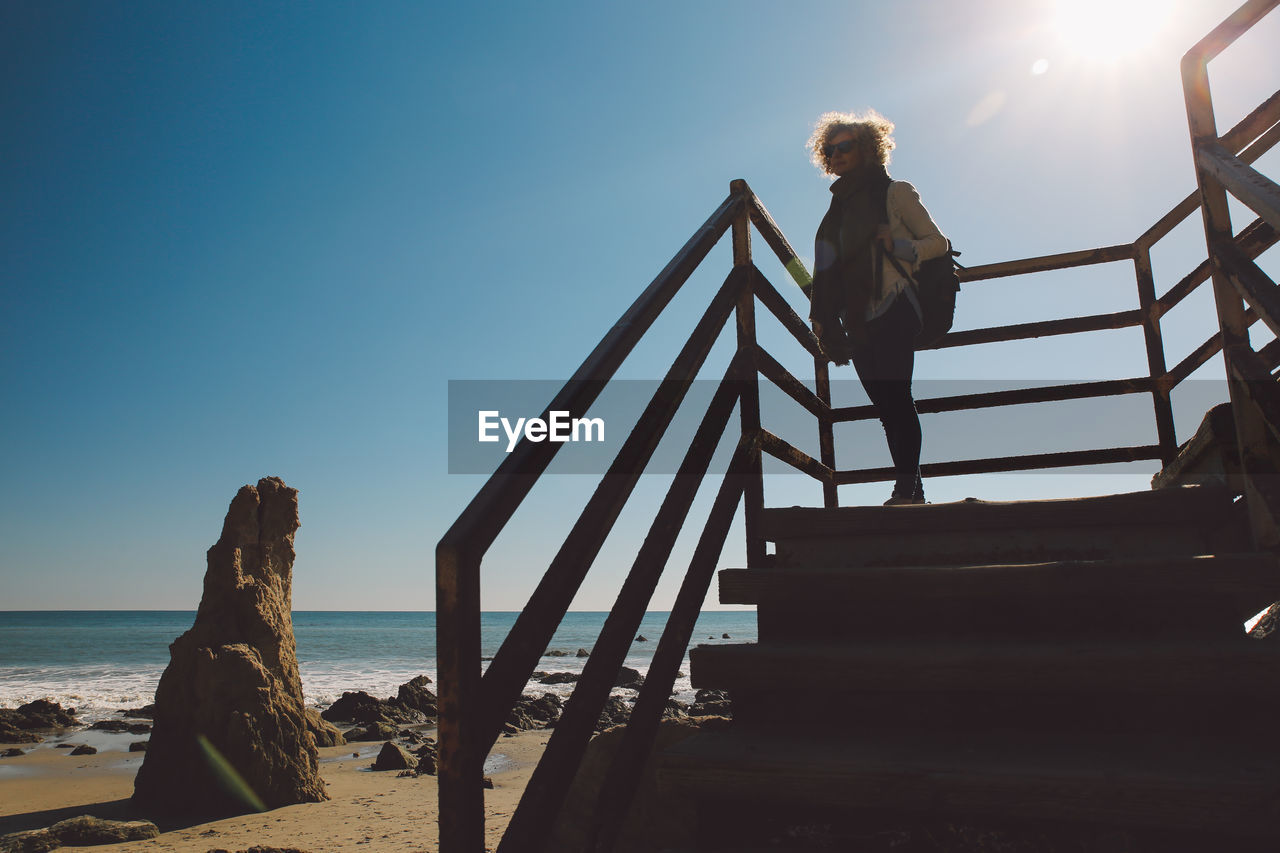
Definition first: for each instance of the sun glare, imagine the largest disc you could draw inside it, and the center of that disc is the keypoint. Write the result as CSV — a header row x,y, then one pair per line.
x,y
1111,30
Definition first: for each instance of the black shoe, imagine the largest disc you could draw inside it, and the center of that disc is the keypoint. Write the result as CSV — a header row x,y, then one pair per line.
x,y
909,494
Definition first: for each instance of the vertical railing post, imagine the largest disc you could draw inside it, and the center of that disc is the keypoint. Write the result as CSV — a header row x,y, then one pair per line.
x,y
1250,428
749,402
826,430
461,768
1155,351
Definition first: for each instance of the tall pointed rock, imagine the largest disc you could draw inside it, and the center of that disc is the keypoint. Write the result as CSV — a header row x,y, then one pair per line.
x,y
230,729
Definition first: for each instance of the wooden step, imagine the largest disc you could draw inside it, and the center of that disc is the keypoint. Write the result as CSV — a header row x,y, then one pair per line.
x,y
1238,668
1201,784
1177,596
1188,687
1174,505
1189,520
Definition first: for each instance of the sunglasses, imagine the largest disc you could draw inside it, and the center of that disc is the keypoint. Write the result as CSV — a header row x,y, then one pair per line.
x,y
843,147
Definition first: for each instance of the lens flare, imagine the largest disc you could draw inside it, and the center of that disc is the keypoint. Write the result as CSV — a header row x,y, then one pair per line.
x,y
1111,30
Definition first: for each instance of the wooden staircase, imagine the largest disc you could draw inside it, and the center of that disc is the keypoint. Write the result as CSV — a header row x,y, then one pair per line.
x,y
1076,662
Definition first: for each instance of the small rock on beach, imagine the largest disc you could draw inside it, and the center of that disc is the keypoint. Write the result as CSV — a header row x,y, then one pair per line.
x,y
83,831
394,757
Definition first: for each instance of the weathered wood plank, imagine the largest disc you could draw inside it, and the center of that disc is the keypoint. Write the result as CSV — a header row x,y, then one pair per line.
x,y
1244,182
1254,285
795,389
1012,397
784,451
1201,354
1260,388
1042,329
1251,580
1255,239
520,652
1168,506
1263,119
777,241
1028,462
1044,263
1162,782
1238,666
790,320
624,773
1261,133
547,788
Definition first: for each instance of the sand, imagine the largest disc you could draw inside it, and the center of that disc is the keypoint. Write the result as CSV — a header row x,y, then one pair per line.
x,y
367,811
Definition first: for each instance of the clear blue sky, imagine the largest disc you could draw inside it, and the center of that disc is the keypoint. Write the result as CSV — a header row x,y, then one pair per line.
x,y
254,238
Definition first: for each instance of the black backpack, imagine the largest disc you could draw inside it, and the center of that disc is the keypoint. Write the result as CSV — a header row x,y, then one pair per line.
x,y
937,284
936,287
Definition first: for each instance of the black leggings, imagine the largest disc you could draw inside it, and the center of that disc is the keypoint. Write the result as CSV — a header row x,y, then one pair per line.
x,y
885,365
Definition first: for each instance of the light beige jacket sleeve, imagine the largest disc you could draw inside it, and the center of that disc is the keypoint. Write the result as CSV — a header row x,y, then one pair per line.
x,y
908,220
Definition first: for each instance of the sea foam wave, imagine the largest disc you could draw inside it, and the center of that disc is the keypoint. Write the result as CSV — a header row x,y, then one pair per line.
x,y
101,693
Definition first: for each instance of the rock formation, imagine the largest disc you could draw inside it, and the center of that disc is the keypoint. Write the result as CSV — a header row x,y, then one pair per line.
x,y
324,732
416,695
230,729
394,757
1266,626
21,725
83,831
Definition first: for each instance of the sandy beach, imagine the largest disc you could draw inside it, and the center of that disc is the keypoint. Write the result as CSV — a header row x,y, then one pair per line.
x,y
367,810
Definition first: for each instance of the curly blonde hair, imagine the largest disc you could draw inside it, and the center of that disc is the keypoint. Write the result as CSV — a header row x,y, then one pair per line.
x,y
872,131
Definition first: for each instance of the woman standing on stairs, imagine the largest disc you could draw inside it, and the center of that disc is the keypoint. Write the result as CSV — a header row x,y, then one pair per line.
x,y
864,307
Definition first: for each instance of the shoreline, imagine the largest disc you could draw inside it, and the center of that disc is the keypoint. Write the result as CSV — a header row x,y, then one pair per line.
x,y
366,809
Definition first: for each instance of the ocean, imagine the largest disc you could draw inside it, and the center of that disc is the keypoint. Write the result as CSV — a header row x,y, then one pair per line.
x,y
100,662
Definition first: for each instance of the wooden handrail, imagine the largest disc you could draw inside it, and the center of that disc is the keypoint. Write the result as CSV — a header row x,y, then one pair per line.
x,y
799,329
778,242
1242,181
1261,130
1047,263
1153,339
784,451
624,773
1243,139
795,389
544,794
460,550
1251,371
1252,241
490,510
1270,355
1012,397
1255,286
1220,37
1041,329
1199,356
534,627
999,464
1218,171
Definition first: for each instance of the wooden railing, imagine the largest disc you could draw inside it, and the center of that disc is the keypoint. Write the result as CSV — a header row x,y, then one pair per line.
x,y
473,707
1242,292
1251,138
